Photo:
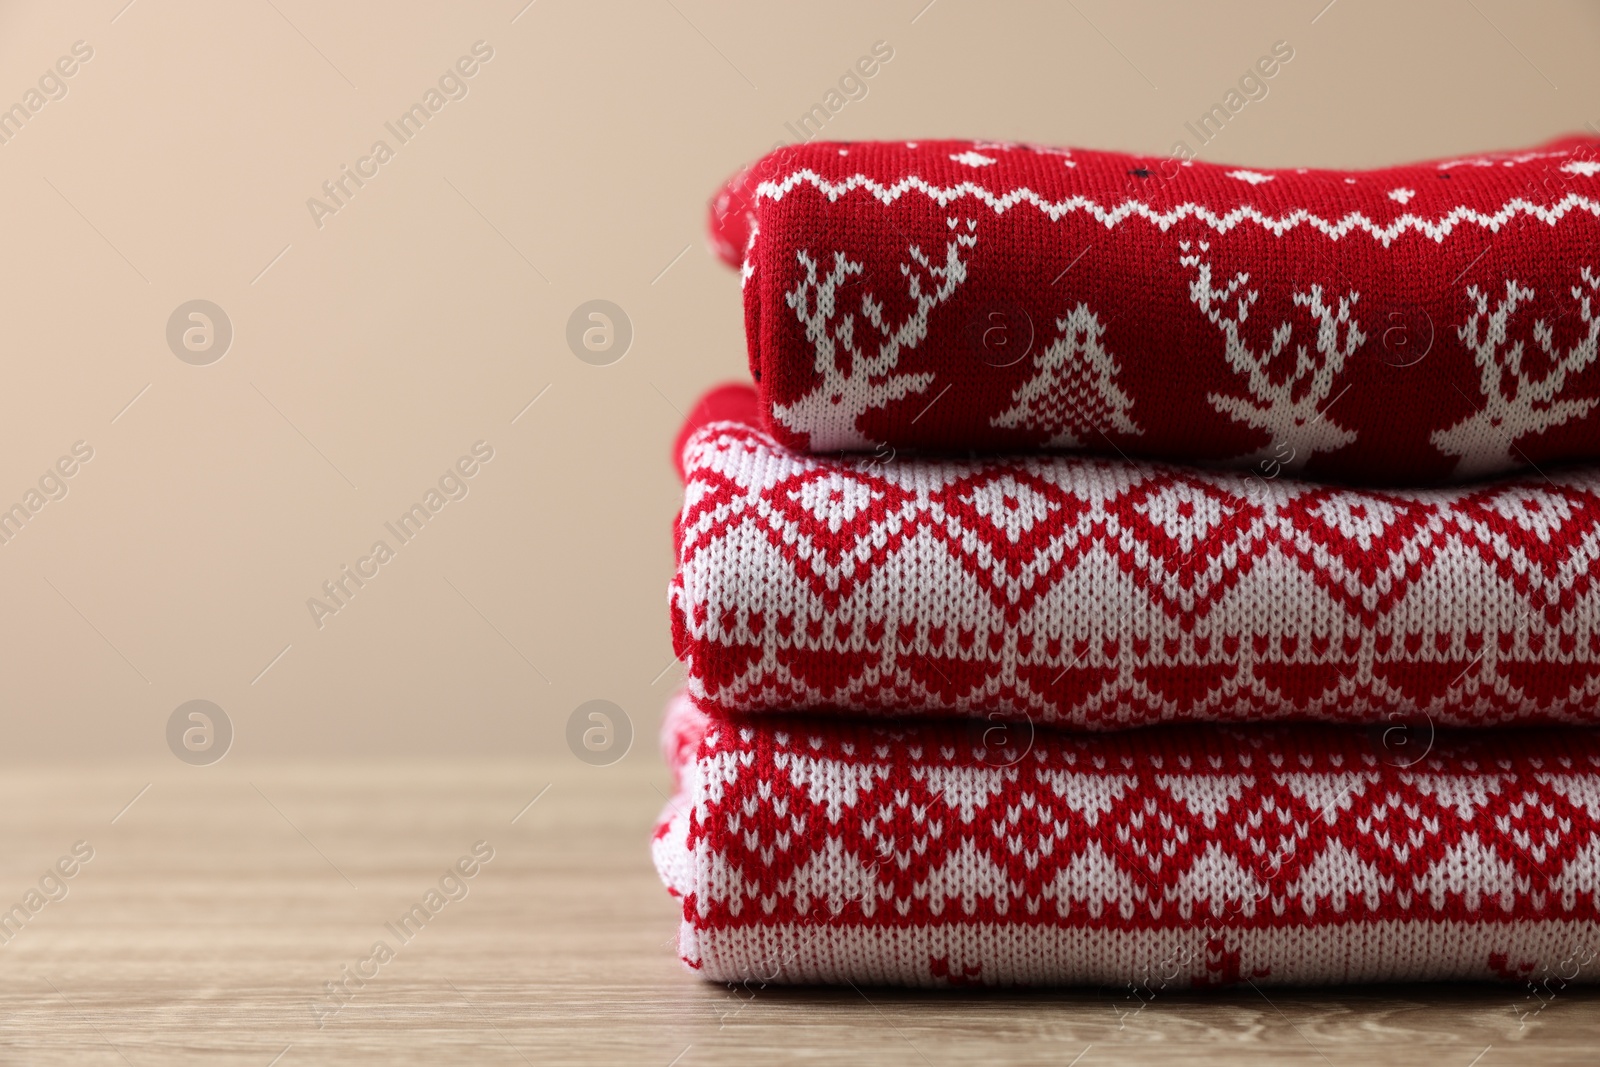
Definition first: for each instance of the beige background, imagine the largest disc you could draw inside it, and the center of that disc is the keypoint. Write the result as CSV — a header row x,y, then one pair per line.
x,y
428,312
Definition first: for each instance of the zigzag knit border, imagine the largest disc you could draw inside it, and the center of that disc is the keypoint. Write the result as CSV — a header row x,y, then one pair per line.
x,y
1000,203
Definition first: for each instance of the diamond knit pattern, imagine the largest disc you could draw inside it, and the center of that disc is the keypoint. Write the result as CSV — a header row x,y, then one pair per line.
x,y
820,850
1104,594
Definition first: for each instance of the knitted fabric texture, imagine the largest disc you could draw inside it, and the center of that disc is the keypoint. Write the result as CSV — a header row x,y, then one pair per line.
x,y
815,851
1419,323
1102,593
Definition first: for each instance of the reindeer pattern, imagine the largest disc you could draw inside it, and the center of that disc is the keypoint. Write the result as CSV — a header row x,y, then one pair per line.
x,y
1293,409
830,413
1515,403
1289,378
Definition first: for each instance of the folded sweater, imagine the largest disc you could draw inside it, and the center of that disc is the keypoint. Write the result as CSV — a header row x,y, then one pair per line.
x,y
1106,593
1424,322
809,850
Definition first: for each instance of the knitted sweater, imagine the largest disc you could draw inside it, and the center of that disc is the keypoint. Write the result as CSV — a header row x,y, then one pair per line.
x,y
1424,322
1104,593
812,850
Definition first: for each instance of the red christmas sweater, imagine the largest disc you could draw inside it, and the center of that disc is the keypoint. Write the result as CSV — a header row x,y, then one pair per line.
x,y
1419,323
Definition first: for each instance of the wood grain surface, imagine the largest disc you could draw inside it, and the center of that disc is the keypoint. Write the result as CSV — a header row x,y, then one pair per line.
x,y
219,904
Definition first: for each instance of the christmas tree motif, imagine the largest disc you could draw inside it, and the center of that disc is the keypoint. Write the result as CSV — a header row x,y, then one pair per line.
x,y
1074,394
1290,408
1514,403
830,412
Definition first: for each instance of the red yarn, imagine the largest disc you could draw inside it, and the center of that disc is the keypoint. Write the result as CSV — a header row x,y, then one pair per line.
x,y
729,402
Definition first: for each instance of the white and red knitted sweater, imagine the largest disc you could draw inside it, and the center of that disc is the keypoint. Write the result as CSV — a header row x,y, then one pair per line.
x,y
1416,324
1105,594
818,850
1424,322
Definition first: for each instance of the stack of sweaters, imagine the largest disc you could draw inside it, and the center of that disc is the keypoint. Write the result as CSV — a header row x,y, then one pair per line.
x,y
1133,571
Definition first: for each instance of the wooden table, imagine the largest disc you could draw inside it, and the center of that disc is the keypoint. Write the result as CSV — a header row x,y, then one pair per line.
x,y
219,904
